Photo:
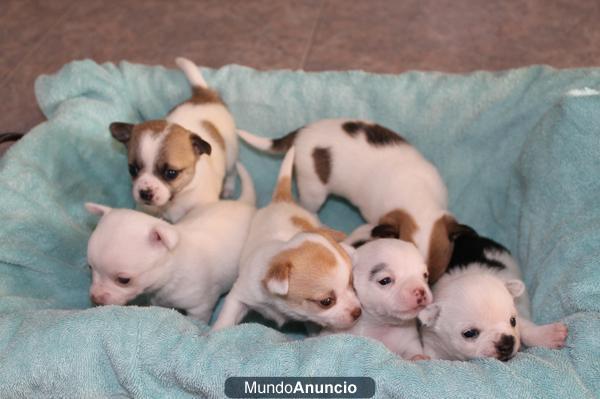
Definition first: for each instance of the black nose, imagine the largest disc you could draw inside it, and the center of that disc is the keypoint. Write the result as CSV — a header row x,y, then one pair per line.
x,y
505,346
146,195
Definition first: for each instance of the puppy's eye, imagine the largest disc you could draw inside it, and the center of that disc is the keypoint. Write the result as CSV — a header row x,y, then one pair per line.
x,y
385,281
471,333
170,174
123,280
513,322
426,276
326,303
133,169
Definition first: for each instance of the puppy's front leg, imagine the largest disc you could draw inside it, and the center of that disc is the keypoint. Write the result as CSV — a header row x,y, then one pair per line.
x,y
232,313
201,312
551,336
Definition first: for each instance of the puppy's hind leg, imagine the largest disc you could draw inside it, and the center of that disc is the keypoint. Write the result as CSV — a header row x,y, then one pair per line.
x,y
231,314
312,192
551,336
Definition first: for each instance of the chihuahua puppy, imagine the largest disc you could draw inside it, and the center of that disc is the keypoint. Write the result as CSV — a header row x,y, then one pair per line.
x,y
292,268
379,172
181,161
185,266
390,278
481,307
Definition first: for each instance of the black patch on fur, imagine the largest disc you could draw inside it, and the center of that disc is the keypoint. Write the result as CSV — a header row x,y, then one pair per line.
x,y
376,269
385,231
470,247
359,243
375,134
284,143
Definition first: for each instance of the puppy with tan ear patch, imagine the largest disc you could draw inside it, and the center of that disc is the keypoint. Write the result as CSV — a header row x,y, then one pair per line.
x,y
481,306
378,171
187,265
181,161
390,277
292,268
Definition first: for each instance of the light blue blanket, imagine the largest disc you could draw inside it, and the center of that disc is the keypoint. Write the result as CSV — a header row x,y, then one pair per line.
x,y
520,157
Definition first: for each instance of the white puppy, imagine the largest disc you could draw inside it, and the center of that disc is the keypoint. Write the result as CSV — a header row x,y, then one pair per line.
x,y
474,312
390,278
292,268
379,172
186,266
181,161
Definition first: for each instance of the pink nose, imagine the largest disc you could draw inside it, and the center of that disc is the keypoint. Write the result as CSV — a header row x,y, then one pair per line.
x,y
419,294
98,299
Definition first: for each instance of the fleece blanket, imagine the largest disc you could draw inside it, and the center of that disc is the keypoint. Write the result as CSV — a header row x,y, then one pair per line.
x,y
519,151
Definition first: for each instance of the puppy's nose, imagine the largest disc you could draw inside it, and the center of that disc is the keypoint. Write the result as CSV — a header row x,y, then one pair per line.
x,y
96,300
419,293
146,195
356,312
505,346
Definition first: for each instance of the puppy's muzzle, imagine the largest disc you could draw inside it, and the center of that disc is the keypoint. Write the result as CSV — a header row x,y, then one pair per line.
x,y
356,312
504,347
146,195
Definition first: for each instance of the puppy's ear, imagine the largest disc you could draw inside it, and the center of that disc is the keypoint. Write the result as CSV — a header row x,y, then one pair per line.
x,y
351,251
164,234
385,231
278,277
430,314
515,287
200,146
97,209
121,131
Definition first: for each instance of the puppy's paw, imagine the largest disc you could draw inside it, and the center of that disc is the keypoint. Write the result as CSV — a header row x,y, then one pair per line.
x,y
551,336
420,357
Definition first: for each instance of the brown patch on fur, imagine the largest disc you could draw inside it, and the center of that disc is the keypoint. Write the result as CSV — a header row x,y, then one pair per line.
x,y
204,95
308,269
402,222
322,161
283,191
440,246
284,143
214,133
375,134
303,223
177,153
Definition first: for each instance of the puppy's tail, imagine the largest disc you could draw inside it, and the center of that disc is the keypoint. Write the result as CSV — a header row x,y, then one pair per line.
x,y
283,190
191,72
274,146
248,194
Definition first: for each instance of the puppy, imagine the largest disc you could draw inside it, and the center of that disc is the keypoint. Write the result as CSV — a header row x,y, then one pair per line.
x,y
379,172
481,307
181,161
291,267
186,266
390,278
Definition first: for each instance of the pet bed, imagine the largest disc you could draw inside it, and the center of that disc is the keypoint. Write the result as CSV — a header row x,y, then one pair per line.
x,y
519,151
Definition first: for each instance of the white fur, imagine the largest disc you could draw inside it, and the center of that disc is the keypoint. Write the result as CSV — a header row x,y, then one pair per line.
x,y
271,233
375,179
210,171
477,296
389,311
187,265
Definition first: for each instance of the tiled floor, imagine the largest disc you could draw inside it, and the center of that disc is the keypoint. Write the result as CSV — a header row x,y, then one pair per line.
x,y
38,36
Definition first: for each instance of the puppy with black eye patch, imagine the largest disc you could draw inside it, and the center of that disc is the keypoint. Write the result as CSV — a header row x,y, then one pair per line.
x,y
187,265
481,307
292,268
390,278
378,171
182,160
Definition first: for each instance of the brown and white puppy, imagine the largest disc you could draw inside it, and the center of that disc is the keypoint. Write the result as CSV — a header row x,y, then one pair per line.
x,y
291,267
180,161
379,172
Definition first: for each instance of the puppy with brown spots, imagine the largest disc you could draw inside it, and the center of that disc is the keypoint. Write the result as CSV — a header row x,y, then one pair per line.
x,y
181,161
292,268
379,172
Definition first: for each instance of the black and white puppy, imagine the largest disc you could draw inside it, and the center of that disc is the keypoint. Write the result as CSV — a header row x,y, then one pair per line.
x,y
481,307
